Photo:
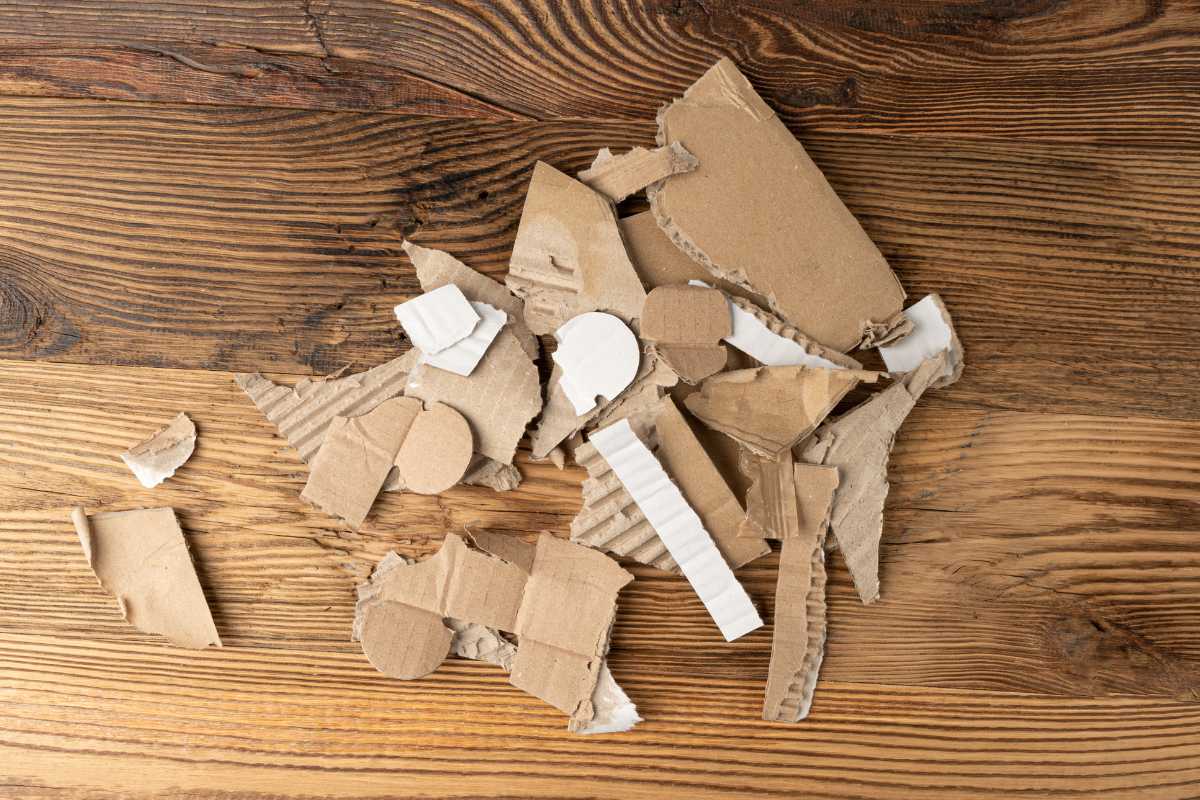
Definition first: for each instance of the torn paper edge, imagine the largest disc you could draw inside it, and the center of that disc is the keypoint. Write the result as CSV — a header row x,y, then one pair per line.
x,y
933,332
618,177
438,319
157,457
680,528
463,356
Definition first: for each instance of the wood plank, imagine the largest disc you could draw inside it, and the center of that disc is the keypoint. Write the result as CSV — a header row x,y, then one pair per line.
x,y
249,239
1012,562
1115,72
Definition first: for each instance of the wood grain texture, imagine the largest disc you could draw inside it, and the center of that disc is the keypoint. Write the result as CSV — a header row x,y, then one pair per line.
x,y
1115,72
242,239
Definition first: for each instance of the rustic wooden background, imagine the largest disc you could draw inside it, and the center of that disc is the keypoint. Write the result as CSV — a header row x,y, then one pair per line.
x,y
191,189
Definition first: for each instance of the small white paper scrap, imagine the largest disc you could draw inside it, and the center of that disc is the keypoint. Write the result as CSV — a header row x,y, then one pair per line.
x,y
680,528
437,319
463,356
930,335
756,340
599,355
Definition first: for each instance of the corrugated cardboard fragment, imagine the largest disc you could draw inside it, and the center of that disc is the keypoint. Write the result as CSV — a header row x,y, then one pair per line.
x,y
774,343
568,257
679,527
599,357
660,263
858,443
798,641
141,558
155,459
559,598
498,398
437,268
438,319
617,177
757,211
771,511
769,409
687,324
302,414
933,333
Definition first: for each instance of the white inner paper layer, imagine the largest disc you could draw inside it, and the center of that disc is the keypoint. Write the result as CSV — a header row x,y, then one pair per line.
x,y
599,355
679,527
930,335
437,319
462,357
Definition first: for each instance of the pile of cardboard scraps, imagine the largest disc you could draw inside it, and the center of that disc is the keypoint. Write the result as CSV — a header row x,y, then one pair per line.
x,y
701,348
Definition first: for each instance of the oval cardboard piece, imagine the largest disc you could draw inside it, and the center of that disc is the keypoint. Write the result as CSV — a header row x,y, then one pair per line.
x,y
436,452
404,642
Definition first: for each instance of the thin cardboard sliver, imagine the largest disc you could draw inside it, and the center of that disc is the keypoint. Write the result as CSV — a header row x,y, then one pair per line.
x,y
758,212
617,177
156,458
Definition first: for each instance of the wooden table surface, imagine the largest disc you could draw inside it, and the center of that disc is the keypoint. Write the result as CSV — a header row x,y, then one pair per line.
x,y
194,189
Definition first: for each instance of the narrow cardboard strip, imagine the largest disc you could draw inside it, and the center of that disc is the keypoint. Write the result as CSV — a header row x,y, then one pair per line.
x,y
436,320
155,459
599,357
680,529
617,177
463,356
141,558
932,333
758,212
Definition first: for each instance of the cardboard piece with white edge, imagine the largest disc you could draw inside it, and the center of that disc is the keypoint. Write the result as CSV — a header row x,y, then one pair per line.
x,y
932,333
680,529
599,356
154,460
462,356
435,320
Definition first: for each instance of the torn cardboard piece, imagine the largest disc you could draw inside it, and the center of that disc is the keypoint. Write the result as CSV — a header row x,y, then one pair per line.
x,y
687,324
798,640
141,558
680,529
462,357
771,510
932,333
769,409
758,212
568,257
562,609
302,414
617,177
859,443
774,343
437,268
155,459
498,398
599,356
438,319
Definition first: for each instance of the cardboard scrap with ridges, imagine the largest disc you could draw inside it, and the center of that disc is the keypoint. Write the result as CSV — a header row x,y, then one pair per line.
x,y
687,324
558,598
798,640
775,343
141,558
617,177
156,458
933,332
568,257
858,443
758,212
769,409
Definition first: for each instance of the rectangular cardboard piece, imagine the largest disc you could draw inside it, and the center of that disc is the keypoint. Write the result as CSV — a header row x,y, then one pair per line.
x,y
155,459
932,333
435,320
858,443
758,212
687,324
769,409
462,357
679,527
141,558
617,177
568,257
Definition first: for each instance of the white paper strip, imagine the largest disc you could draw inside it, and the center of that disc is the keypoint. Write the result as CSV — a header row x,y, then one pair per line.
x,y
599,355
680,528
930,335
462,357
437,319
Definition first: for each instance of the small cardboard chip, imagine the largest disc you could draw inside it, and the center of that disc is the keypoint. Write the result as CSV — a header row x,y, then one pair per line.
x,y
687,323
617,177
156,459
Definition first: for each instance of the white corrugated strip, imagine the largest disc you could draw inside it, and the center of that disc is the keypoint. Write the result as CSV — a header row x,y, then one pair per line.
x,y
679,527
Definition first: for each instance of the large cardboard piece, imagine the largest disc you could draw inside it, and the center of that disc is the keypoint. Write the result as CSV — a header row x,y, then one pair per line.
x,y
932,333
687,324
568,257
769,409
758,212
858,443
154,460
141,558
617,177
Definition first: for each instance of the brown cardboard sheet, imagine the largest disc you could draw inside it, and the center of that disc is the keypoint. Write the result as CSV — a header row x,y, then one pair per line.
x,y
141,558
568,257
758,212
561,607
617,177
156,458
769,409
687,324
858,443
